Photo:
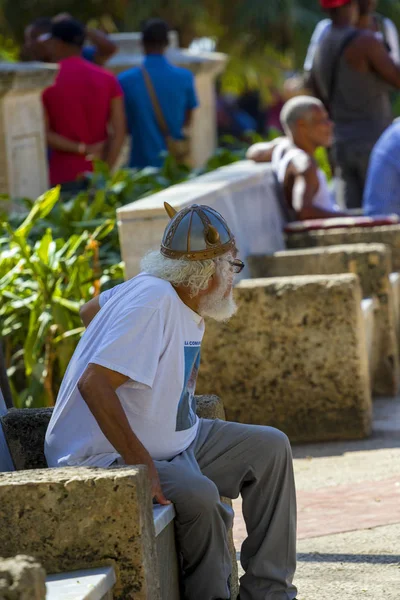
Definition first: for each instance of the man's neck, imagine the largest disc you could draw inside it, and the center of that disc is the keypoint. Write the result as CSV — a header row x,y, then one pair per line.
x,y
341,21
74,52
366,22
307,146
183,293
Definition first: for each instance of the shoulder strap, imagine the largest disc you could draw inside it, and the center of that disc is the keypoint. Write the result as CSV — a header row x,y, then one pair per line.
x,y
155,103
335,69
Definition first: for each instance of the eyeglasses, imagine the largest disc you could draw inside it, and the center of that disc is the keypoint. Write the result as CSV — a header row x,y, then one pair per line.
x,y
237,265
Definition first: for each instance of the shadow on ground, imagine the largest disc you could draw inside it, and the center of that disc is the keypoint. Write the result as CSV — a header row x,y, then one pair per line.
x,y
385,434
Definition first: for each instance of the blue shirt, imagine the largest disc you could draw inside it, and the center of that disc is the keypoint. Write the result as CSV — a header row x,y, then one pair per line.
x,y
382,188
176,95
89,53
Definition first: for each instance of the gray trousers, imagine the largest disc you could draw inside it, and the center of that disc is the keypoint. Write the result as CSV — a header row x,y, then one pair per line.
x,y
229,459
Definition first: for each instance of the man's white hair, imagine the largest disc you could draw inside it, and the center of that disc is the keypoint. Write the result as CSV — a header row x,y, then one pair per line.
x,y
297,108
193,274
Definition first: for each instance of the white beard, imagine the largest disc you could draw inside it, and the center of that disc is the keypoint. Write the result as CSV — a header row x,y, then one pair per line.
x,y
217,307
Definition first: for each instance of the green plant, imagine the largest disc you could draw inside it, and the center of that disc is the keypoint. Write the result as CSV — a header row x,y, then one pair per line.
x,y
42,286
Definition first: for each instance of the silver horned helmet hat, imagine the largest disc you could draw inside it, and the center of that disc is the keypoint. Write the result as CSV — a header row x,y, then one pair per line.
x,y
196,233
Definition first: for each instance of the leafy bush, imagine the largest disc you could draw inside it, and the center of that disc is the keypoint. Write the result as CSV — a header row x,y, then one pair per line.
x,y
42,285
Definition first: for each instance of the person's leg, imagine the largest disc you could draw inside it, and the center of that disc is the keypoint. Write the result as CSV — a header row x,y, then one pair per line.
x,y
202,522
348,179
256,462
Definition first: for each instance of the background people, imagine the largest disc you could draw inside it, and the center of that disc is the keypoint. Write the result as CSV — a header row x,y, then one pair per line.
x,y
84,108
173,90
382,188
351,74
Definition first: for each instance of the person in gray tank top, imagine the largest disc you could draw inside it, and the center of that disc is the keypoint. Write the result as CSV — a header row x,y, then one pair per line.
x,y
353,75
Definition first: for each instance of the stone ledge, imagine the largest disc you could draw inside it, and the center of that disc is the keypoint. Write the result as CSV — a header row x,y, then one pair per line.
x,y
372,264
293,357
87,517
383,234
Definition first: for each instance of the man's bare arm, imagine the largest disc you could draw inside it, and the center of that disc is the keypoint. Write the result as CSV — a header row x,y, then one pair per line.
x,y
379,59
60,142
88,311
98,387
262,151
118,131
304,190
105,48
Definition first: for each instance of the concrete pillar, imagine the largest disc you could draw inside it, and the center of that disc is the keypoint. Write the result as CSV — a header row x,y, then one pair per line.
x,y
23,153
205,66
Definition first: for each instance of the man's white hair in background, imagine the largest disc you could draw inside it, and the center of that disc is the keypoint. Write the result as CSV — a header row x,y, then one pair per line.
x,y
298,108
196,275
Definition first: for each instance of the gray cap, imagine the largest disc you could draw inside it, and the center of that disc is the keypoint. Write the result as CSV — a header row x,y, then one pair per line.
x,y
196,233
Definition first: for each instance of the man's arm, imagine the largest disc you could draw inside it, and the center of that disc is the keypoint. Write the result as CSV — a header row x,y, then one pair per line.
x,y
88,311
117,125
379,59
98,387
262,151
60,142
304,190
105,48
188,118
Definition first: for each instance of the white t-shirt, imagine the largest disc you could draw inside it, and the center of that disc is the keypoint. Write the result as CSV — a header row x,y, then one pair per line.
x,y
145,332
324,26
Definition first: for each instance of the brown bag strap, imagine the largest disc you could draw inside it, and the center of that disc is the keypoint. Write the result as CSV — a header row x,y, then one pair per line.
x,y
155,103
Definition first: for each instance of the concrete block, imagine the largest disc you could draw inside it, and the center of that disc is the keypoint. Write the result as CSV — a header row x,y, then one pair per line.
x,y
76,518
372,264
293,357
22,578
25,430
210,407
382,234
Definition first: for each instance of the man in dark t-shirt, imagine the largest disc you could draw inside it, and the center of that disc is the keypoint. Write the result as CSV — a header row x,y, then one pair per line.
x,y
351,73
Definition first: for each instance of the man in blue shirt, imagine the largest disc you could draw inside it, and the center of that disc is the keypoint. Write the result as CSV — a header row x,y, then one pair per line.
x,y
174,88
382,189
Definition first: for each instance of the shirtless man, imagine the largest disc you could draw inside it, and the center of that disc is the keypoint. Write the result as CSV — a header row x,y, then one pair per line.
x,y
307,127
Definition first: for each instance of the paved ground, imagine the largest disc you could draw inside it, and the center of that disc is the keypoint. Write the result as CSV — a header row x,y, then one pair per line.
x,y
349,514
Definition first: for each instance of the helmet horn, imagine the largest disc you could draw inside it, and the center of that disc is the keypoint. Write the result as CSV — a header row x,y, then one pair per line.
x,y
171,212
212,235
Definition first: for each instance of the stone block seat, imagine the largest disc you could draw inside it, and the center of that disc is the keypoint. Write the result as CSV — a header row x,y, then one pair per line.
x,y
90,518
294,357
372,264
388,234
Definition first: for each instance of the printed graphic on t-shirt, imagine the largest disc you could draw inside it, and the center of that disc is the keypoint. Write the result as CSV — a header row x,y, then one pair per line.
x,y
186,417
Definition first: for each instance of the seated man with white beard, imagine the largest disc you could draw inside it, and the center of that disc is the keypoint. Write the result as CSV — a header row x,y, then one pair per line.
x,y
128,398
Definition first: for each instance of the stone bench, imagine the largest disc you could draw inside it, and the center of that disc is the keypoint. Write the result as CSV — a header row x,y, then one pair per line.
x,y
293,357
85,520
382,234
372,264
89,584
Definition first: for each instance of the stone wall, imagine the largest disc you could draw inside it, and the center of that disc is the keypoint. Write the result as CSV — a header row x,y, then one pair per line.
x,y
76,518
293,357
23,150
384,234
372,264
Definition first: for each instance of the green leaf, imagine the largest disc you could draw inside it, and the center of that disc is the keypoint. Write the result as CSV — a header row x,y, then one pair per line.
x,y
41,208
30,341
43,247
69,304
